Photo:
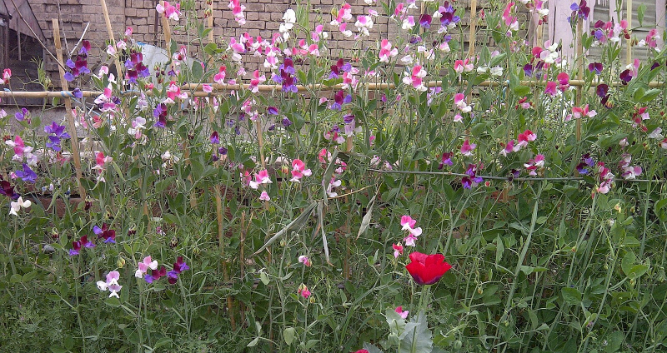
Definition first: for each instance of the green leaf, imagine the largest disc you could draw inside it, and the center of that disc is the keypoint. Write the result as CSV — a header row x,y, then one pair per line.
x,y
371,348
637,270
500,249
641,10
627,262
521,90
366,221
571,296
289,334
264,278
58,350
615,340
650,95
417,338
658,210
253,342
164,341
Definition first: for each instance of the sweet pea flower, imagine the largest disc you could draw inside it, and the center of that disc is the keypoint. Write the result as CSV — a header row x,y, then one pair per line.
x,y
111,284
260,178
6,75
17,205
386,51
303,291
144,266
305,260
415,78
77,244
264,196
299,170
109,235
404,314
398,250
179,267
467,148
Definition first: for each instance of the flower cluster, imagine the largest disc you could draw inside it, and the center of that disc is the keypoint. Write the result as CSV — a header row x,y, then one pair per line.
x,y
409,224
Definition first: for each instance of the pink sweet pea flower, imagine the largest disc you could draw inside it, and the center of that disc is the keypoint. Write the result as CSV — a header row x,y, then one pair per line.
x,y
550,88
303,291
170,11
407,222
415,78
144,266
386,51
260,178
305,260
467,148
564,80
264,196
299,170
6,75
398,250
111,284
403,314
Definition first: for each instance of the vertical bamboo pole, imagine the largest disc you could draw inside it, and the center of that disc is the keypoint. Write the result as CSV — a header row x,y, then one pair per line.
x,y
473,23
107,20
166,29
68,106
580,71
628,15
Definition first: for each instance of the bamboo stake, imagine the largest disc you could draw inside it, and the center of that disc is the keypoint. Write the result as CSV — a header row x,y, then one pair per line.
x,y
68,106
107,20
166,29
198,90
473,23
629,19
580,73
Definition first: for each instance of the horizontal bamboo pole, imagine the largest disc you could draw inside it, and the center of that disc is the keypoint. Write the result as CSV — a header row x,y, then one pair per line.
x,y
197,89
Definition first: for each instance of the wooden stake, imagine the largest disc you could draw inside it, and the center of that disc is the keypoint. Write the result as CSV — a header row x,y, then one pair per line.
x,y
580,72
166,29
68,106
473,23
107,20
629,19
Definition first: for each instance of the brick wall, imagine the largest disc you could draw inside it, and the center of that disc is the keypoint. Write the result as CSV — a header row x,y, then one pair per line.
x,y
263,18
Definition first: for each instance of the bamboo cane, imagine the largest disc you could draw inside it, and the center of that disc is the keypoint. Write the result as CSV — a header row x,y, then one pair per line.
x,y
198,88
629,19
68,106
580,72
107,20
473,23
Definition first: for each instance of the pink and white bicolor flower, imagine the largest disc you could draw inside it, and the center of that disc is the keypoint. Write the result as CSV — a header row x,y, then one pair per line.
x,y
260,178
144,266
299,170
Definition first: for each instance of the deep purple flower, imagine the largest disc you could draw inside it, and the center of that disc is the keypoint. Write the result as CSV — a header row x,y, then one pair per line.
x,y
222,150
655,65
286,122
340,67
155,275
626,76
528,70
215,138
272,110
85,47
106,233
446,159
77,93
160,115
466,182
179,267
348,118
602,90
595,67
7,189
425,20
76,245
26,174
339,99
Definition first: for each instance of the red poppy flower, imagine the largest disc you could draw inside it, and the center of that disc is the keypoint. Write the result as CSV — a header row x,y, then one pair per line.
x,y
427,269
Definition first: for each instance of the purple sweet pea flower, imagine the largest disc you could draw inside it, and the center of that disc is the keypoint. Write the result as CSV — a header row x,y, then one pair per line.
x,y
27,174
